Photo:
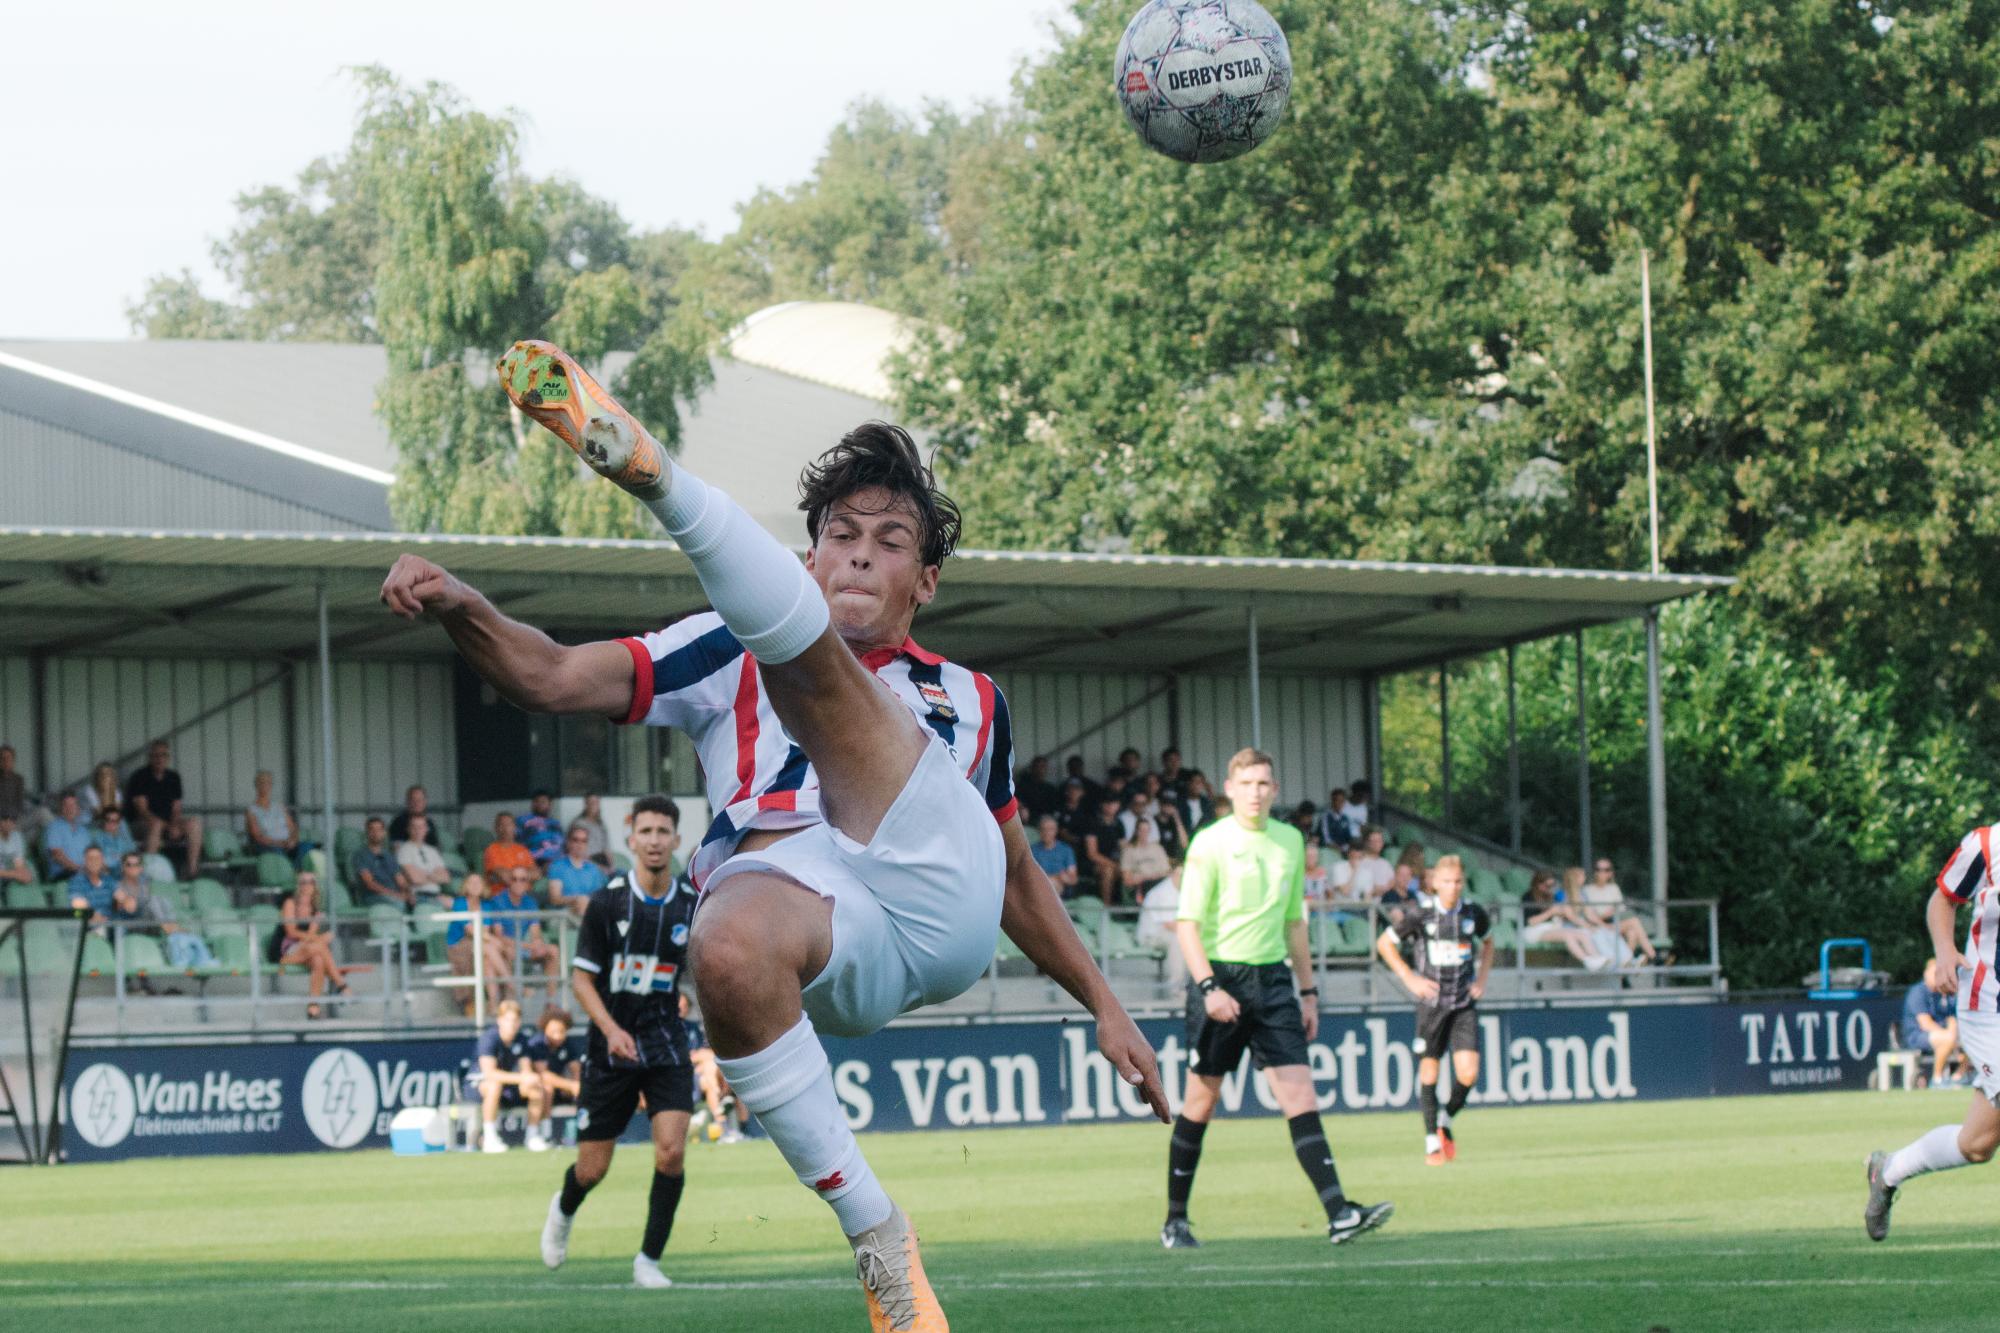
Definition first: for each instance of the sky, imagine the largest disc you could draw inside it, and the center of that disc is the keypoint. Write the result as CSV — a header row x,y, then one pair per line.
x,y
137,125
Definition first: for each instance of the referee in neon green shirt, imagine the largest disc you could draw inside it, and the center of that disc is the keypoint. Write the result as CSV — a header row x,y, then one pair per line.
x,y
1242,912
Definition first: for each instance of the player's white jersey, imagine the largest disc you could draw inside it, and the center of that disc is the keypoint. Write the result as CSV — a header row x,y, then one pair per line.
x,y
694,675
1968,878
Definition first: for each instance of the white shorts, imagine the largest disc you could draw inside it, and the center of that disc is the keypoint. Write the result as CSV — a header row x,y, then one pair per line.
x,y
1979,1038
916,912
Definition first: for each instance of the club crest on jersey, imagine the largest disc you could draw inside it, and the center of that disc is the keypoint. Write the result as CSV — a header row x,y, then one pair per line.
x,y
624,926
680,933
939,700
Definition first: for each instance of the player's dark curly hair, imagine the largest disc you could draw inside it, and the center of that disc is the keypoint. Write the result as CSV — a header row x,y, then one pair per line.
x,y
657,805
876,453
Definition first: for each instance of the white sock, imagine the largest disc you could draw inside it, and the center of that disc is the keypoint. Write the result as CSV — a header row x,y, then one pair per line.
x,y
1432,1143
1935,1151
789,1085
760,589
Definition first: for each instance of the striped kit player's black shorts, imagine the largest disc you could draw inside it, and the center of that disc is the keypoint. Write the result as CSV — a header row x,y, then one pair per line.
x,y
1270,1023
1440,1030
609,1094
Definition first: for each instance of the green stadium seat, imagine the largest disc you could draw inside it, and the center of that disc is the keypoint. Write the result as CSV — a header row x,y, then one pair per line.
x,y
1506,933
48,950
454,863
232,953
144,956
346,842
175,895
262,915
1486,887
274,871
1517,879
28,895
1008,951
97,957
622,861
210,899
474,844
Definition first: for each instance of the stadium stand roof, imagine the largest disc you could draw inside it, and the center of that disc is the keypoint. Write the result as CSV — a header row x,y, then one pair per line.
x,y
129,591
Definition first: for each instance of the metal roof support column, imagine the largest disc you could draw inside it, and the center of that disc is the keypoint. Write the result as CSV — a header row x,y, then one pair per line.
x,y
326,730
1582,763
1372,723
38,685
1256,689
1513,762
1656,760
1444,735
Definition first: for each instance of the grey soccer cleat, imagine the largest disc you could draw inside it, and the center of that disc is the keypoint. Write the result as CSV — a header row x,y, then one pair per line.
x,y
1176,1235
1881,1197
1357,1218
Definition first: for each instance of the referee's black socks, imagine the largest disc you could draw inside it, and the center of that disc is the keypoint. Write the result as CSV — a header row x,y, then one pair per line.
x,y
660,1206
572,1194
1183,1155
1315,1154
1427,1097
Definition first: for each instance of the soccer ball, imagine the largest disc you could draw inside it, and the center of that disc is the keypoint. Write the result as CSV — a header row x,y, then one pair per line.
x,y
1203,80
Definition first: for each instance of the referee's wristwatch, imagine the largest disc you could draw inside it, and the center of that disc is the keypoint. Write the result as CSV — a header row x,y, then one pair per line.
x,y
1308,990
1206,984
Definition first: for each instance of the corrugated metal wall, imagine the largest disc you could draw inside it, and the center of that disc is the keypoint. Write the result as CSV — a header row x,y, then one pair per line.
x,y
393,725
1315,728
56,477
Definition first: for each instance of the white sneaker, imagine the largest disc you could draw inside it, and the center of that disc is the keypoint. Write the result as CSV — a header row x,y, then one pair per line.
x,y
537,1141
733,1134
491,1141
555,1233
646,1273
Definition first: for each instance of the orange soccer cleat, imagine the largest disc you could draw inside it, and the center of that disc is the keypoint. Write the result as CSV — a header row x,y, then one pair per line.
x,y
548,385
900,1299
1449,1144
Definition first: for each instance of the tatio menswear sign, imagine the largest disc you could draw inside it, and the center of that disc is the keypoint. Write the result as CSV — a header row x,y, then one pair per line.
x,y
103,1105
338,1097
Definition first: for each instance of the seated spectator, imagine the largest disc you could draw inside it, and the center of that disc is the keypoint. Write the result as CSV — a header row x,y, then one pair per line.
x,y
416,801
110,836
591,821
153,808
1157,909
1359,794
1142,862
1402,895
376,871
1333,828
539,830
1347,879
136,907
1197,803
1073,772
65,840
573,876
1930,1022
505,1076
1413,856
708,1077
268,824
304,937
90,886
1616,933
1101,843
100,792
1171,776
13,787
519,913
418,856
1054,855
1546,919
1319,876
1077,815
1130,761
559,1067
1372,861
1037,794
504,853
496,950
1302,817
14,853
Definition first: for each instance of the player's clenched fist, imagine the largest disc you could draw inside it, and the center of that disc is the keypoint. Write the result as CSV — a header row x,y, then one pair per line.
x,y
416,585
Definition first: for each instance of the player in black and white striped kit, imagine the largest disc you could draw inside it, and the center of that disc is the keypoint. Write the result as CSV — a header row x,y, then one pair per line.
x,y
1454,955
630,966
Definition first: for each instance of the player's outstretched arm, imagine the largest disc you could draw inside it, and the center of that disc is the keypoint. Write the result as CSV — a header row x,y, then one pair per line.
x,y
525,665
1032,915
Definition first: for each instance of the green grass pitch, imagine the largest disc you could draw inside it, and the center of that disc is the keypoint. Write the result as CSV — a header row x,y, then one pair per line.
x,y
1740,1214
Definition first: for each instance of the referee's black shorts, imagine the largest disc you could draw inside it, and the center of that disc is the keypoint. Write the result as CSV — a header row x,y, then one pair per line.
x,y
608,1095
1440,1030
1269,1023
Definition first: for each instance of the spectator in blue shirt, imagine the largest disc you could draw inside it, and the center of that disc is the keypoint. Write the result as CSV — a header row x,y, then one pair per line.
x,y
111,837
498,950
91,886
573,876
1054,856
1930,1022
65,840
519,915
540,831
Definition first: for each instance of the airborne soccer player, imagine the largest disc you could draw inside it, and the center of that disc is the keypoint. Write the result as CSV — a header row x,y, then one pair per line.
x,y
1974,977
1454,948
1241,920
865,850
630,965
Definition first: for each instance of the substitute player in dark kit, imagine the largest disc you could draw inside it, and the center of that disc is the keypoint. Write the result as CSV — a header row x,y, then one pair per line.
x,y
1454,953
1241,916
631,958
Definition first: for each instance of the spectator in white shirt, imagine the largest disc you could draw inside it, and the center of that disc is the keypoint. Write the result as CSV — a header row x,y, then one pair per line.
x,y
100,793
1376,866
13,853
268,825
1359,799
1602,903
1157,909
423,864
1319,876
